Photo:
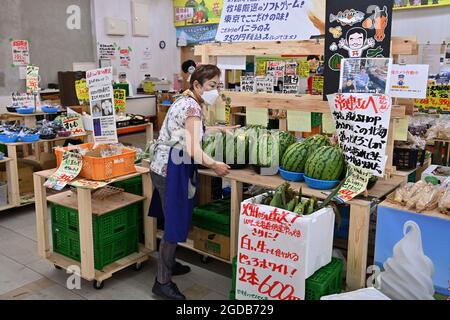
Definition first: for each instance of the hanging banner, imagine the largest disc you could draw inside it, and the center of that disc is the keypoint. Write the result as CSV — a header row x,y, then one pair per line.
x,y
197,12
106,51
194,35
355,183
101,98
120,100
362,126
267,20
20,52
409,81
417,4
68,170
355,29
32,79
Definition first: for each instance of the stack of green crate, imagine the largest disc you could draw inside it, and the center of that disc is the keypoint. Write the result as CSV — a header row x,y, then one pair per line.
x,y
214,217
115,234
134,186
316,119
325,281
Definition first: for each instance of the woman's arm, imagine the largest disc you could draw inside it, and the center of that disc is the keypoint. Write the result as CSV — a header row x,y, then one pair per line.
x,y
194,149
222,128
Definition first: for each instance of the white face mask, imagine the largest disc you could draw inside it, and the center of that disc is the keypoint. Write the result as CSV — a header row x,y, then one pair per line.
x,y
210,97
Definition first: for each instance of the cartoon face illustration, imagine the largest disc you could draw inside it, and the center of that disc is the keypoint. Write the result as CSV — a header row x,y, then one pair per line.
x,y
356,42
401,79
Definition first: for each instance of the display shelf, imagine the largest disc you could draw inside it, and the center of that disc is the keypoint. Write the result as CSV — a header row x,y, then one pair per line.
x,y
86,205
132,129
189,244
99,207
76,136
5,160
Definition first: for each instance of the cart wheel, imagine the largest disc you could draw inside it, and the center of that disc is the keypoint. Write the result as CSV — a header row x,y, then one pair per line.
x,y
138,266
57,267
205,259
98,285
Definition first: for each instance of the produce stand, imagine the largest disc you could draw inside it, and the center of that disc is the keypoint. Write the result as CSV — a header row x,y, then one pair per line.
x,y
29,120
86,205
12,164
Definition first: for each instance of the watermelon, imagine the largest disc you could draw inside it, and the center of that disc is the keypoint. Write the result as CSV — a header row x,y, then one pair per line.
x,y
295,157
267,153
317,141
286,140
326,163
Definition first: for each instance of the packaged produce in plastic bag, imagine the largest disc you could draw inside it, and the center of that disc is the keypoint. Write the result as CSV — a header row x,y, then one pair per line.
x,y
429,198
444,202
401,194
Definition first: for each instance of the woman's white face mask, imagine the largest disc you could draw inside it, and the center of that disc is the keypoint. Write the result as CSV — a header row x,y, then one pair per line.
x,y
210,97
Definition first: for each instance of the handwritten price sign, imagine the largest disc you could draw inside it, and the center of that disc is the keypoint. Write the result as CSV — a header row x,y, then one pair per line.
x,y
355,183
74,124
69,169
20,52
271,251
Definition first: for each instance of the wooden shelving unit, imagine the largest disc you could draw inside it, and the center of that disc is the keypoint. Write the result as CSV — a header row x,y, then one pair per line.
x,y
87,206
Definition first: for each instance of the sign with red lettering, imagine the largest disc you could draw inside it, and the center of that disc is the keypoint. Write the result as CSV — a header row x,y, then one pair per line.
x,y
278,250
69,169
20,52
362,126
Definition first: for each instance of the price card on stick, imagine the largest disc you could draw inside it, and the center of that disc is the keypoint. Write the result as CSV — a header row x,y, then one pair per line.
x,y
68,170
355,183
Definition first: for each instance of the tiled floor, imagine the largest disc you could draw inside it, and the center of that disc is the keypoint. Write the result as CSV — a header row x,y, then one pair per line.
x,y
24,275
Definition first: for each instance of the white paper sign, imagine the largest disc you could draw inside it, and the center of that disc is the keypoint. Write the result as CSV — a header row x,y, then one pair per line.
x,y
362,126
106,51
20,52
248,84
265,20
101,97
231,62
264,84
409,81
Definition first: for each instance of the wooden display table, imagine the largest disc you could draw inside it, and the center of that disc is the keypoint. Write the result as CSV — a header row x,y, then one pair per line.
x,y
86,206
29,120
12,167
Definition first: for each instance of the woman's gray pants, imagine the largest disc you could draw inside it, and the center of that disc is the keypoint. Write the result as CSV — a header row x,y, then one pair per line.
x,y
166,260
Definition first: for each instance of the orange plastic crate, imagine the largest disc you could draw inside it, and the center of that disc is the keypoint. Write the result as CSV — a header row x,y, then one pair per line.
x,y
102,168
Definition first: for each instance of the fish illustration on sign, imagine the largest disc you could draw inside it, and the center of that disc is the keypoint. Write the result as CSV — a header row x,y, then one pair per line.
x,y
336,32
379,22
348,17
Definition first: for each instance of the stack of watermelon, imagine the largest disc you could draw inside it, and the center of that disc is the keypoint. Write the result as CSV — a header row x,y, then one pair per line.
x,y
250,145
315,157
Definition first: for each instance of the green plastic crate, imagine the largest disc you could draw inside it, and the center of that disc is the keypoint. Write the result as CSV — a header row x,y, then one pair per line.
x,y
105,252
325,281
104,226
134,186
214,217
316,119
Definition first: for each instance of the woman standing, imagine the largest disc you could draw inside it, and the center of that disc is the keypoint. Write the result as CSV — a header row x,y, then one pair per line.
x,y
174,172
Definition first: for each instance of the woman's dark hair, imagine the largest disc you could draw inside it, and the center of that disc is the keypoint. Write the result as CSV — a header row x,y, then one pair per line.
x,y
204,73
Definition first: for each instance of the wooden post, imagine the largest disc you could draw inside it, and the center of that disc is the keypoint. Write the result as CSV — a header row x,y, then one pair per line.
x,y
357,246
149,132
236,199
205,195
86,233
13,176
40,195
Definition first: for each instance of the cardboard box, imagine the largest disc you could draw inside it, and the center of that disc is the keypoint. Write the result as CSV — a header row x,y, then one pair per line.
x,y
25,178
213,243
439,172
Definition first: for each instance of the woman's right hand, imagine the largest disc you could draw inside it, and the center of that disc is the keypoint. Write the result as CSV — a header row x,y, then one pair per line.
x,y
221,169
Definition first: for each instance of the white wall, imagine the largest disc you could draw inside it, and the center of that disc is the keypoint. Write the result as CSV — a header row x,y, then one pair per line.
x,y
164,63
427,24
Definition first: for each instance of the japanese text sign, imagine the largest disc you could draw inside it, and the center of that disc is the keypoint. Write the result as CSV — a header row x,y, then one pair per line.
x,y
266,20
32,79
264,84
20,52
120,102
248,84
362,126
355,183
437,99
68,170
73,123
409,81
106,51
82,90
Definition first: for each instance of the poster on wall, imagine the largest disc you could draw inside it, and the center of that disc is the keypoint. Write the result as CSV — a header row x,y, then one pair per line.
x,y
409,81
417,4
362,126
268,20
106,51
101,98
20,52
32,79
355,29
194,35
125,57
365,75
197,12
